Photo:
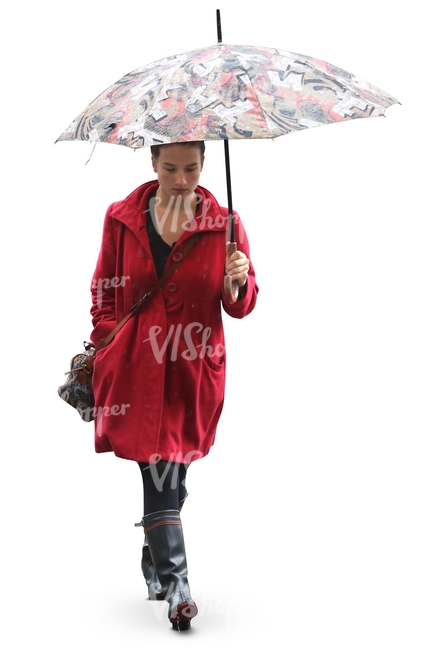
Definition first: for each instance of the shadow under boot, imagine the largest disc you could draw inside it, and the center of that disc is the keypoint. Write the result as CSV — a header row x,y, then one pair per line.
x,y
165,539
155,591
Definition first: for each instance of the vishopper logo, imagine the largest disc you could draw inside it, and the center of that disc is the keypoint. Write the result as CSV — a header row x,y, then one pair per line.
x,y
171,464
101,412
230,614
185,334
98,285
197,221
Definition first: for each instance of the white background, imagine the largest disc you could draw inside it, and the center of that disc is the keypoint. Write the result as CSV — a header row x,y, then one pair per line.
x,y
304,524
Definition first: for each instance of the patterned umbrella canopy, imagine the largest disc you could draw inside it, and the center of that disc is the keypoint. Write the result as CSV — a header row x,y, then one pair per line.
x,y
225,92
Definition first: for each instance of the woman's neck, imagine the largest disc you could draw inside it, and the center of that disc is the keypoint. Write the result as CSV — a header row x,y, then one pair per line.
x,y
174,215
179,204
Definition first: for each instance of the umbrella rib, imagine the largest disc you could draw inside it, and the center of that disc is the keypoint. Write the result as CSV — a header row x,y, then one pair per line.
x,y
258,103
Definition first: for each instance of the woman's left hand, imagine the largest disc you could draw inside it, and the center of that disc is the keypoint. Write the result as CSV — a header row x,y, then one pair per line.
x,y
237,266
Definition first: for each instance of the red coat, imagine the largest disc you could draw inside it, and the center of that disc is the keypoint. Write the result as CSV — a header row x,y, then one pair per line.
x,y
159,386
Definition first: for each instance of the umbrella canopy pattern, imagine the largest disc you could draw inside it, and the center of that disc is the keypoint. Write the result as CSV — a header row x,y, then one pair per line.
x,y
225,91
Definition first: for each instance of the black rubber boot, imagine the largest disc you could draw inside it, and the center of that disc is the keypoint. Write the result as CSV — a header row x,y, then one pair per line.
x,y
154,587
165,539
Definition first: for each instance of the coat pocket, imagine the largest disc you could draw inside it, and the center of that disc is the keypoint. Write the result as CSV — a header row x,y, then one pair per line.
x,y
216,360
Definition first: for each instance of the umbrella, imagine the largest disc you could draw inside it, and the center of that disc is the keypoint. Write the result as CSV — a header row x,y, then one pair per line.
x,y
225,92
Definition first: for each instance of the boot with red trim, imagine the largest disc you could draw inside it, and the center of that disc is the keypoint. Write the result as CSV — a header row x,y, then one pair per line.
x,y
155,591
165,539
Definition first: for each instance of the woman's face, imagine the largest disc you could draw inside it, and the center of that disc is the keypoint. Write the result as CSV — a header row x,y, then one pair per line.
x,y
178,169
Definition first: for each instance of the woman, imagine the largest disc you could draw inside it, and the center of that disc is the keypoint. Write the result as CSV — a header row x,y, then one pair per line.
x,y
159,386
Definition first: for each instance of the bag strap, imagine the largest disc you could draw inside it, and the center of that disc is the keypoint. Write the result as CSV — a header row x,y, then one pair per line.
x,y
178,257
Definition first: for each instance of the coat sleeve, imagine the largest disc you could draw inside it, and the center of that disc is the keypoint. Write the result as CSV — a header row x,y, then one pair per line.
x,y
103,310
247,296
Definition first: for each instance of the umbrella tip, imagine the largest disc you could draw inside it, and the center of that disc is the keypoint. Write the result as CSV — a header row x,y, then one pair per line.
x,y
219,26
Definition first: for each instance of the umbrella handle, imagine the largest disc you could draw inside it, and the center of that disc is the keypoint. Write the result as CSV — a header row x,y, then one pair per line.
x,y
230,287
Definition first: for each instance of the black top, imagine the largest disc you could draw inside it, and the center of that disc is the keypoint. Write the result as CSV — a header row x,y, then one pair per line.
x,y
159,249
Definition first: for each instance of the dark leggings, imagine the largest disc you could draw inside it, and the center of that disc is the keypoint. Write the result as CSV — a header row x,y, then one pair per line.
x,y
164,485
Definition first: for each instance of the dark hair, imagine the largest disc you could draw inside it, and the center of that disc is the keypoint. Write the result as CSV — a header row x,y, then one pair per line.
x,y
200,144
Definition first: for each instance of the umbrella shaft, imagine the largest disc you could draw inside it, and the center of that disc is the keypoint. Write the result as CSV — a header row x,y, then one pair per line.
x,y
229,189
